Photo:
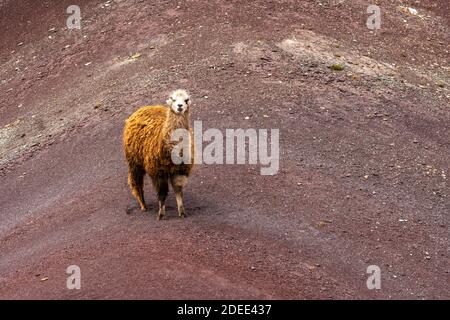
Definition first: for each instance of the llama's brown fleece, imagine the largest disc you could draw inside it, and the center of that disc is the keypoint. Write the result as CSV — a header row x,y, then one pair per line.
x,y
148,148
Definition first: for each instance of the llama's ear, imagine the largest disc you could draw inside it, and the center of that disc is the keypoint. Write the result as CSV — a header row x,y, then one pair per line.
x,y
169,101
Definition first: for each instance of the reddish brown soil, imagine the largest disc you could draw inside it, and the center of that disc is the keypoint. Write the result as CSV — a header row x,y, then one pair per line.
x,y
364,152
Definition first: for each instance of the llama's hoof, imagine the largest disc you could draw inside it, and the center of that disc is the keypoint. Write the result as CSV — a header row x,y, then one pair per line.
x,y
182,215
160,217
144,209
132,208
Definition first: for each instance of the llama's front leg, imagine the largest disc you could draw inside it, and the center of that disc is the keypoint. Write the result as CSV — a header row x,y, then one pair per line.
x,y
162,209
180,205
178,182
162,188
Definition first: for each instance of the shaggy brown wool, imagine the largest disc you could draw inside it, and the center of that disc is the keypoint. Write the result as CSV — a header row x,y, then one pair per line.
x,y
148,149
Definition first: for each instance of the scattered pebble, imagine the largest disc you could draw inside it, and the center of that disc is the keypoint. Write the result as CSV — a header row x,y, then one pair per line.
x,y
337,67
408,10
135,56
323,223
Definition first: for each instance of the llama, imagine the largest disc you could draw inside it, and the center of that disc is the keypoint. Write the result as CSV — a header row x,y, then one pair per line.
x,y
148,149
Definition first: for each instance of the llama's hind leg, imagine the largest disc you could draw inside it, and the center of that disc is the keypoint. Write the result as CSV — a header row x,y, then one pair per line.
x,y
161,183
178,182
136,182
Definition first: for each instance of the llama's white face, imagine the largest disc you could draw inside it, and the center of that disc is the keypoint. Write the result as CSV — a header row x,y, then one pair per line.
x,y
179,101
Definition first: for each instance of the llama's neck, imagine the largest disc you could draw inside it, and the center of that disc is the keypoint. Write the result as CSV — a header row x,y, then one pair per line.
x,y
176,121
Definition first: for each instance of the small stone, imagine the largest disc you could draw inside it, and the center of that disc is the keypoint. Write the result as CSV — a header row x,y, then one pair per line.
x,y
322,224
337,67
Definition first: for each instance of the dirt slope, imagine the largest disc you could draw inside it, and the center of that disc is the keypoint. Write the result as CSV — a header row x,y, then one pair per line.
x,y
364,152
